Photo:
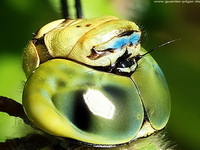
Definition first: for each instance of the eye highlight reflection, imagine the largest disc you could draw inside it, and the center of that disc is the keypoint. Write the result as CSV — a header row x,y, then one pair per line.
x,y
99,104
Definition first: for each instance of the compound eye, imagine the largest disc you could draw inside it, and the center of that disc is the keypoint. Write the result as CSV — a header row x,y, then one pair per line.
x,y
154,91
70,100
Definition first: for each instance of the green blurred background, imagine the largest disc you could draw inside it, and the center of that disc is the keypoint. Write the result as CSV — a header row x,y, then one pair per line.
x,y
160,22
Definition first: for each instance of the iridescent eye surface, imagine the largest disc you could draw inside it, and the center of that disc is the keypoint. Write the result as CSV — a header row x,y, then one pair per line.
x,y
74,101
87,80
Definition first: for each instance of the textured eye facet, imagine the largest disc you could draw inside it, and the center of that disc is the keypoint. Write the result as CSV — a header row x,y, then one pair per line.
x,y
67,99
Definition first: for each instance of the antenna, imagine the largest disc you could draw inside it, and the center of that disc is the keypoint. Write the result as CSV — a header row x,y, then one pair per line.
x,y
166,43
65,9
78,6
138,57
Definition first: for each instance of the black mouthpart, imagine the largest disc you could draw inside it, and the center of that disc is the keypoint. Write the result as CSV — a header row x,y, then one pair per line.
x,y
125,61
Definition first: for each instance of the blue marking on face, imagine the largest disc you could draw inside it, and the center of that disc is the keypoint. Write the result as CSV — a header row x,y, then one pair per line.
x,y
126,40
134,38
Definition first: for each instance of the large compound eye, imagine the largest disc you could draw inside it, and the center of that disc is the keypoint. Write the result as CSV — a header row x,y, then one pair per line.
x,y
69,100
154,91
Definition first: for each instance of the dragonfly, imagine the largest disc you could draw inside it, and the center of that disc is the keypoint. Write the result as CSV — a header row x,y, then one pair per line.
x,y
90,83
